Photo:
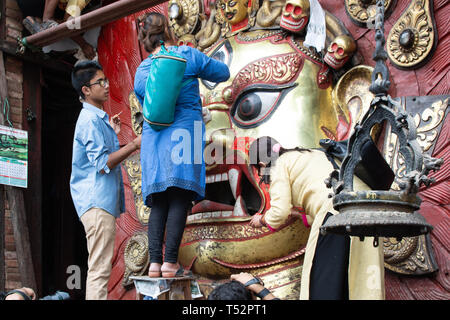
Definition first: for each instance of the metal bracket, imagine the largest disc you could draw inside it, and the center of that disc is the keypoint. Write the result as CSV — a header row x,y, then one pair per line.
x,y
30,115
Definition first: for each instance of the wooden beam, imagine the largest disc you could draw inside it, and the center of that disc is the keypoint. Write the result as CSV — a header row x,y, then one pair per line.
x,y
32,99
17,208
2,20
38,58
95,18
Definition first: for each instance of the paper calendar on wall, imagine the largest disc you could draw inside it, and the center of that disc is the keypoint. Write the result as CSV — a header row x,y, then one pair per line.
x,y
13,157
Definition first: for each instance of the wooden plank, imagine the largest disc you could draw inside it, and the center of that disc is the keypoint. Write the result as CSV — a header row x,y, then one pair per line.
x,y
2,20
21,236
18,216
2,239
32,99
38,58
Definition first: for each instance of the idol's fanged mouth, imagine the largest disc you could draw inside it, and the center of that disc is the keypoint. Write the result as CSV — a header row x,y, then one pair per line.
x,y
231,195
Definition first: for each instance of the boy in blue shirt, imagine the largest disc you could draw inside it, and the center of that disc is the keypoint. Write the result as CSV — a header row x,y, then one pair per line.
x,y
96,183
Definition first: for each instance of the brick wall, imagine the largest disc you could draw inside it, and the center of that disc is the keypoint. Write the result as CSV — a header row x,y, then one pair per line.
x,y
14,79
13,20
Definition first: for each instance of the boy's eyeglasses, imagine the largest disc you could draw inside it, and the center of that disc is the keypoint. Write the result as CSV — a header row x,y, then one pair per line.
x,y
102,82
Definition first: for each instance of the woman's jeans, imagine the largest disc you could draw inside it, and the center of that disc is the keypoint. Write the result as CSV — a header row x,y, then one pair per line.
x,y
168,213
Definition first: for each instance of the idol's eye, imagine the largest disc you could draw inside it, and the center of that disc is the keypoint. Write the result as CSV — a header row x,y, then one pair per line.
x,y
224,53
256,105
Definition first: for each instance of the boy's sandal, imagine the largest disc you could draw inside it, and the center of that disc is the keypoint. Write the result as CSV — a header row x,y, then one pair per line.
x,y
32,25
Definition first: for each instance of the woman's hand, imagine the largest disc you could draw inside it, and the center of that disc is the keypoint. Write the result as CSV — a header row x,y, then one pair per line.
x,y
242,277
256,221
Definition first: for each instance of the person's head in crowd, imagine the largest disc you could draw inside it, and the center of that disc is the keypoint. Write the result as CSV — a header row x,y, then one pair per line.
x,y
232,290
23,293
154,28
90,82
264,152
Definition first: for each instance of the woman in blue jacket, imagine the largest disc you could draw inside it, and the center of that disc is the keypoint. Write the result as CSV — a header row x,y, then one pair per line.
x,y
173,168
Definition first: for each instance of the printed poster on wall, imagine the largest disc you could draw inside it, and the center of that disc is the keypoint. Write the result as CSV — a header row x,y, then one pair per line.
x,y
13,157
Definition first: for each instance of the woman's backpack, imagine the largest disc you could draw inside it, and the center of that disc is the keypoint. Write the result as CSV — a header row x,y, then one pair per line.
x,y
163,86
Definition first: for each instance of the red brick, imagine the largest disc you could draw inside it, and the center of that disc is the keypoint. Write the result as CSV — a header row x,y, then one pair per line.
x,y
10,246
11,76
13,34
13,102
15,118
10,255
14,86
12,269
14,14
13,65
10,285
12,4
13,276
11,263
16,110
14,24
9,239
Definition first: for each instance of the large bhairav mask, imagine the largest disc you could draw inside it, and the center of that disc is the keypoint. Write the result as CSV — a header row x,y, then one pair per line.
x,y
277,88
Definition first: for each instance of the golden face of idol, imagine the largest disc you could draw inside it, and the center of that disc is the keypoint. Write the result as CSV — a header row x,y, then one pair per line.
x,y
234,11
274,91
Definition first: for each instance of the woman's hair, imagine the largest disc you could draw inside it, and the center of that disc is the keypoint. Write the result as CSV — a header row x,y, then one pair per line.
x,y
267,150
83,72
153,28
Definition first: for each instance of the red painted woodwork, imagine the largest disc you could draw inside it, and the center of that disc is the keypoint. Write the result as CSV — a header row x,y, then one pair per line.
x,y
120,55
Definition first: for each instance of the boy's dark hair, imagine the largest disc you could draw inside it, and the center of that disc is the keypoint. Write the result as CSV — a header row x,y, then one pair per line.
x,y
232,290
83,72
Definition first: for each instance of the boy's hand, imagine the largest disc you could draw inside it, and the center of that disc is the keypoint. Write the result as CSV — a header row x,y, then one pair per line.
x,y
115,122
137,142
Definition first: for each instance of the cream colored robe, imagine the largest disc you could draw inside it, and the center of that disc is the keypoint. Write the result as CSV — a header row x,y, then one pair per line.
x,y
297,180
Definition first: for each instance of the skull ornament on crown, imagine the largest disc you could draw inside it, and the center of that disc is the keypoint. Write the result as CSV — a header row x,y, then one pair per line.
x,y
295,15
187,40
339,51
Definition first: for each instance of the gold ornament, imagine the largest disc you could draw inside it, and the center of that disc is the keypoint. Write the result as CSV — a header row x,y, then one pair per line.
x,y
136,257
184,16
412,38
413,255
269,12
133,169
362,12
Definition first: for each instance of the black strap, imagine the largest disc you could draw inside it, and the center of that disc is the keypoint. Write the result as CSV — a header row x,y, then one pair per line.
x,y
25,296
264,292
253,281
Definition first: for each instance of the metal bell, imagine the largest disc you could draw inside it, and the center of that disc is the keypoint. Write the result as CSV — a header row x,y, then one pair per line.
x,y
377,214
